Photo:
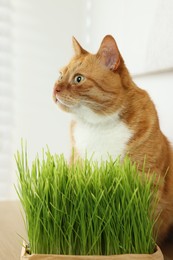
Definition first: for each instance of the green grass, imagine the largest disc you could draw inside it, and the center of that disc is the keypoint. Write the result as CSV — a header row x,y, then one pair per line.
x,y
87,209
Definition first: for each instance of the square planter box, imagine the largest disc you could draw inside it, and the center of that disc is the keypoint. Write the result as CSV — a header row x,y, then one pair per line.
x,y
156,256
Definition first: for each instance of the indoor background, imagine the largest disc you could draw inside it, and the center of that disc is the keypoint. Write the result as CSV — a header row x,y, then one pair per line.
x,y
35,41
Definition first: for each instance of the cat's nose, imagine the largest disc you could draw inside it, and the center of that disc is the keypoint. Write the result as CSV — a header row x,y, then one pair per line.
x,y
57,88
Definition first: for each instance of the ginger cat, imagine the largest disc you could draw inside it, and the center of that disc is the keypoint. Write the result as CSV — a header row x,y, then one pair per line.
x,y
112,116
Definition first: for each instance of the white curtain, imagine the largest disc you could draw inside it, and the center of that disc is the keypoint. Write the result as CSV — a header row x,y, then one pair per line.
x,y
35,41
6,97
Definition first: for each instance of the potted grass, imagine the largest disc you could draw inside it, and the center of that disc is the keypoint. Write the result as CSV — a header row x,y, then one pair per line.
x,y
86,211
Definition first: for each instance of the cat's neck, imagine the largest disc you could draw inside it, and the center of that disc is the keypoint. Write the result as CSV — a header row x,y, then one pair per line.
x,y
86,116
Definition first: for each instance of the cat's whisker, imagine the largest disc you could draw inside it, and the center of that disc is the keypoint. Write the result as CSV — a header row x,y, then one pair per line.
x,y
94,104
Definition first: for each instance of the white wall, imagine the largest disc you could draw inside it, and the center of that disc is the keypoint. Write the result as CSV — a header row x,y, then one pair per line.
x,y
42,44
143,30
160,88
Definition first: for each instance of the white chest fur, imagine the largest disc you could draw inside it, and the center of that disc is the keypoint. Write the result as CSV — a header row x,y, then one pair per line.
x,y
106,137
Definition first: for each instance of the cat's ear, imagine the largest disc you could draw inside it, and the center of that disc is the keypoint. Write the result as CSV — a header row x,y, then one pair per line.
x,y
108,53
77,47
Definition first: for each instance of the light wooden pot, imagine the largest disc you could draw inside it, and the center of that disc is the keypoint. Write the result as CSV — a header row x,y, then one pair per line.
x,y
156,256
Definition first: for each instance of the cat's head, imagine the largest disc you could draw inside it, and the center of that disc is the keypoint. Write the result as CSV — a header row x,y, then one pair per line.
x,y
91,82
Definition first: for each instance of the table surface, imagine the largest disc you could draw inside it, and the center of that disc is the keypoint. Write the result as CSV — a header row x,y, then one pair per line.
x,y
11,226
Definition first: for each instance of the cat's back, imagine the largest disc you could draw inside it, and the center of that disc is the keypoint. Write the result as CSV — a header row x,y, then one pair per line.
x,y
147,140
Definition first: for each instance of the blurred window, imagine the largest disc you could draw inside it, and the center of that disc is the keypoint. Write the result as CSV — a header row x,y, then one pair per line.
x,y
6,97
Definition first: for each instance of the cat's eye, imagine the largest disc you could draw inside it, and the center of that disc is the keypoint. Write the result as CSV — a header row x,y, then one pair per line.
x,y
78,79
60,76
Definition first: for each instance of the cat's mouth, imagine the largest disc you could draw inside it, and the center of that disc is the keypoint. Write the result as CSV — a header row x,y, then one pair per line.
x,y
62,102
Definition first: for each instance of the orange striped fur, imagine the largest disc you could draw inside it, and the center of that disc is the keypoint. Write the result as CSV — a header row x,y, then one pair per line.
x,y
112,115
